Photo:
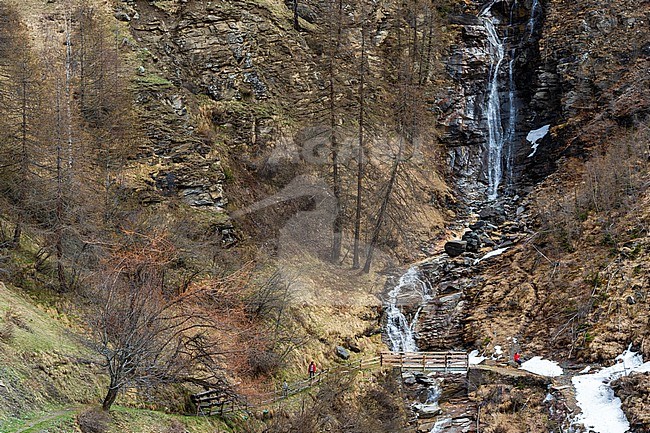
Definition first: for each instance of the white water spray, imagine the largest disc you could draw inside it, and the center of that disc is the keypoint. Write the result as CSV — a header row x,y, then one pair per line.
x,y
399,330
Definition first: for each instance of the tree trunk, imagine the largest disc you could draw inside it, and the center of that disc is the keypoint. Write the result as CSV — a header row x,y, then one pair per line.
x,y
58,229
360,155
295,15
336,176
383,208
111,395
18,230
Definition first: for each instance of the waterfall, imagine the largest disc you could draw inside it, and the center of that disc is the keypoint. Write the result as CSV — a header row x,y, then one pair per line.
x,y
535,10
399,330
495,130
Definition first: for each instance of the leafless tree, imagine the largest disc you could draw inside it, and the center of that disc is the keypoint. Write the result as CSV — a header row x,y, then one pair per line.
x,y
148,331
20,96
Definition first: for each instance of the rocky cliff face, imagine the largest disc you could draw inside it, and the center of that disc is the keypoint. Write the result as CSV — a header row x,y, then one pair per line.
x,y
472,61
580,67
235,54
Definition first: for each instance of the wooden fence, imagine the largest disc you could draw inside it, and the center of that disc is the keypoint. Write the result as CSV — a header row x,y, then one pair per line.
x,y
426,361
215,402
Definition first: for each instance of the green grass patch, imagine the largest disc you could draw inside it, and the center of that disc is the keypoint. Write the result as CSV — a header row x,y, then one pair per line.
x,y
50,419
152,81
34,329
148,421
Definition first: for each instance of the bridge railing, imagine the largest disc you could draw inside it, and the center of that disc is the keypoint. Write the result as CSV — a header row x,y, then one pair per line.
x,y
432,361
219,402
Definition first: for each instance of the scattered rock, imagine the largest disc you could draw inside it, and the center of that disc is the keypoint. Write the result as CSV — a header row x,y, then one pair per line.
x,y
408,378
478,225
122,16
493,214
342,352
455,248
426,410
473,240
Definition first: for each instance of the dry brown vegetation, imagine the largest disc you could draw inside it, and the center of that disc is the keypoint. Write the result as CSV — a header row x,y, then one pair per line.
x,y
342,404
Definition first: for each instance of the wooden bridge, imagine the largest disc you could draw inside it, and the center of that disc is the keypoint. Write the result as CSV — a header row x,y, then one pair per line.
x,y
449,362
213,402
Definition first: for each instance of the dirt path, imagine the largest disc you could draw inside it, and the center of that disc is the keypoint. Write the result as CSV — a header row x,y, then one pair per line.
x,y
48,417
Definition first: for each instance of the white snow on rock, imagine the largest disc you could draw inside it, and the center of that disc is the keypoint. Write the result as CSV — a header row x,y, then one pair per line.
x,y
492,254
601,409
474,358
543,367
534,136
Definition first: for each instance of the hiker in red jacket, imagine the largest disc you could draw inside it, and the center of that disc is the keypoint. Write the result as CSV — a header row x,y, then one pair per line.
x,y
517,358
312,369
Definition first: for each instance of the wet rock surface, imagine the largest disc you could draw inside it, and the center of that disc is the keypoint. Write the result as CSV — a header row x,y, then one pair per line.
x,y
634,392
491,230
438,399
463,108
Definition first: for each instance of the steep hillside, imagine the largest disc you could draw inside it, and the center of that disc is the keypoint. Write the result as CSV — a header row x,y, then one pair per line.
x,y
277,164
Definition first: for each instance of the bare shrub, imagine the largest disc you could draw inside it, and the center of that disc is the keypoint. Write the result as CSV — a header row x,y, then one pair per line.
x,y
611,183
341,404
263,362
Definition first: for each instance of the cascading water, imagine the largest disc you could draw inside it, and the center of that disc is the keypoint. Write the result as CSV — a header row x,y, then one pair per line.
x,y
495,130
399,330
535,10
501,139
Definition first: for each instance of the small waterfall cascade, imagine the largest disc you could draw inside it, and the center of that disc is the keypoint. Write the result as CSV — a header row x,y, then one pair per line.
x,y
399,330
535,11
493,109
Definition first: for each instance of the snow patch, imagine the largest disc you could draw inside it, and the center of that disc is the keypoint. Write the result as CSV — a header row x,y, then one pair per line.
x,y
492,254
601,409
474,358
543,367
441,424
534,136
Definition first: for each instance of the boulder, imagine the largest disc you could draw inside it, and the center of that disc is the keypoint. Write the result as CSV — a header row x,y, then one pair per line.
x,y
342,352
473,240
478,225
455,248
122,16
426,410
307,13
408,378
423,379
493,214
352,345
